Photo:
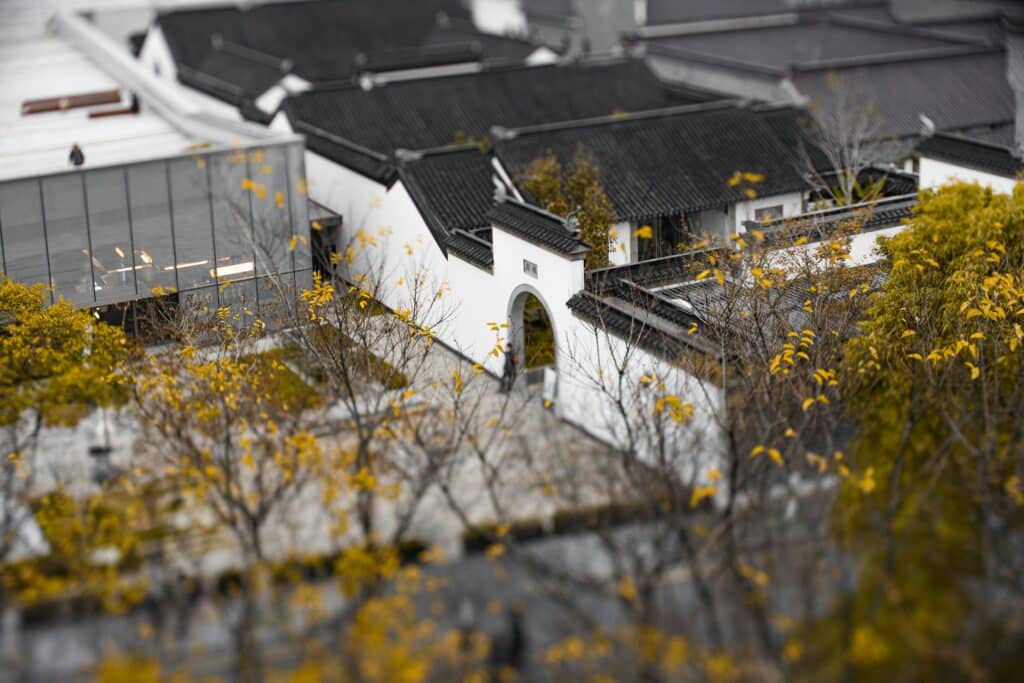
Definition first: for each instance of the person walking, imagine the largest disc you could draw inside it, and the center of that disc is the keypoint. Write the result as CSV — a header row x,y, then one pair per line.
x,y
77,157
508,376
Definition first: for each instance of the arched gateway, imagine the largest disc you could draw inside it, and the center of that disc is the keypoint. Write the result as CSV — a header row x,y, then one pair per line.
x,y
532,334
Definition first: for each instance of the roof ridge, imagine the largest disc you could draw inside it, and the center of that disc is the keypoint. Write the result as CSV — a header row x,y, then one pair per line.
x,y
220,44
338,140
462,232
850,208
836,16
958,137
708,58
965,49
503,133
531,207
406,155
487,67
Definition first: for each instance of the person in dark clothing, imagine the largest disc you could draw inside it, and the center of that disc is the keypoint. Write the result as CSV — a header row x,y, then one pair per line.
x,y
77,157
509,645
508,375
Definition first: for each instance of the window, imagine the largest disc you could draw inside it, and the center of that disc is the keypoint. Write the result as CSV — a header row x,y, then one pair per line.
x,y
21,228
668,233
112,254
768,214
530,268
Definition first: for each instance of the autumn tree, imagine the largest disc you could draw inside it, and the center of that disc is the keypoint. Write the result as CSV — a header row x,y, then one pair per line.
x,y
934,385
225,426
56,365
842,138
575,190
727,434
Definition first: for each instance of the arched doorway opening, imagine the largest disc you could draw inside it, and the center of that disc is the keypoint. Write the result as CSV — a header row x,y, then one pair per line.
x,y
538,335
532,335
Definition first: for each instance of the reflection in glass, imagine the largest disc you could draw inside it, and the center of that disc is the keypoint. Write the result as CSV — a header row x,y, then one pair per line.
x,y
113,265
299,205
271,222
231,216
21,228
151,227
193,235
68,238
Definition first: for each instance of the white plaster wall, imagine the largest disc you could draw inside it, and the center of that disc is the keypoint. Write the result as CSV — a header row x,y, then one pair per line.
x,y
156,55
792,205
558,278
502,17
623,250
935,173
592,395
397,245
479,297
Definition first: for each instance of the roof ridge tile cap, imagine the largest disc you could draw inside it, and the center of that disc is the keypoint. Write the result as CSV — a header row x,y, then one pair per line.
x,y
503,133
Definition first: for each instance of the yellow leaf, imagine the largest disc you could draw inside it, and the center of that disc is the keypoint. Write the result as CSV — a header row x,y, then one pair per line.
x,y
908,333
808,402
645,232
703,274
756,451
700,493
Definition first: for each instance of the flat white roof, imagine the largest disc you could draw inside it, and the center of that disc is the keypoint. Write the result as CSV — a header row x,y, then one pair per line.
x,y
38,144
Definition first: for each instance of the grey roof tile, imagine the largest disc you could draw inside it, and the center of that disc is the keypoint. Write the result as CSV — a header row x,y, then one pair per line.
x,y
537,226
430,113
973,153
665,163
955,91
452,188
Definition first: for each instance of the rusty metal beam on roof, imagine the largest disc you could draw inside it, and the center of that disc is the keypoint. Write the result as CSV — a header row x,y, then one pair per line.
x,y
65,102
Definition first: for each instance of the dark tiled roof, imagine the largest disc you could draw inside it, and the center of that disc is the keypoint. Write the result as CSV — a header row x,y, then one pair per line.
x,y
664,163
651,273
452,188
472,248
955,91
972,153
537,226
1002,134
429,113
889,212
328,40
232,74
637,324
812,40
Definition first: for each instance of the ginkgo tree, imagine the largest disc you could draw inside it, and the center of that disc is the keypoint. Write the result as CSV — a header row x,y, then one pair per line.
x,y
226,429
729,435
56,365
934,385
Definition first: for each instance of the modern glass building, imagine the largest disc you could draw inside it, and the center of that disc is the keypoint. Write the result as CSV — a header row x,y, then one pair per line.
x,y
190,223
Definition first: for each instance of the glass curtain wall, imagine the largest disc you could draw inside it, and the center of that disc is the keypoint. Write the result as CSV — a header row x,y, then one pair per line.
x,y
206,224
